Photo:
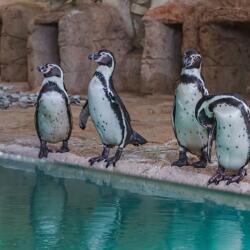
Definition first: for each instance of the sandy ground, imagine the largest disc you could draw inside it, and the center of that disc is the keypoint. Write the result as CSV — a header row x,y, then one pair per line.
x,y
151,117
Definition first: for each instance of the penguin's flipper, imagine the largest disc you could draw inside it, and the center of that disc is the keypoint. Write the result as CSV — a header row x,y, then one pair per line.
x,y
173,117
211,136
137,139
36,115
84,116
116,98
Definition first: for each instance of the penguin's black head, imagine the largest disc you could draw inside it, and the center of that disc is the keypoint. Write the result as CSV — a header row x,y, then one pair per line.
x,y
103,57
192,59
49,70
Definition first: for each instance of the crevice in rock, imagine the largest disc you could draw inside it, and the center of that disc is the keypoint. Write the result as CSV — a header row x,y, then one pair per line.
x,y
44,49
161,63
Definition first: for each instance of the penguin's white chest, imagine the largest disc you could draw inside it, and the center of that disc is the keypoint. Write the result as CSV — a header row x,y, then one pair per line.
x,y
232,143
52,117
189,132
103,115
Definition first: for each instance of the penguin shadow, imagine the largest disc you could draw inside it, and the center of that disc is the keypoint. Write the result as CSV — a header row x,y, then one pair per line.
x,y
48,201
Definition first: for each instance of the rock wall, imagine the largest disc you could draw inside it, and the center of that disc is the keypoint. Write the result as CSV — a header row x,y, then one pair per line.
x,y
220,33
147,37
223,39
64,32
14,21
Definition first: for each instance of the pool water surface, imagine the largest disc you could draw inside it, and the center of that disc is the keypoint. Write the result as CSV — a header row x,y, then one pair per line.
x,y
41,209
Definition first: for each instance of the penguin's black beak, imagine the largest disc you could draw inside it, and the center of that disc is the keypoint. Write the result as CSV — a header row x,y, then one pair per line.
x,y
186,61
93,56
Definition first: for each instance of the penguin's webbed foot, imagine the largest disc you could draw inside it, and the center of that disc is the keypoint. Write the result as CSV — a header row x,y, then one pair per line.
x,y
104,156
43,153
237,178
113,160
218,177
199,164
96,159
182,161
202,163
64,148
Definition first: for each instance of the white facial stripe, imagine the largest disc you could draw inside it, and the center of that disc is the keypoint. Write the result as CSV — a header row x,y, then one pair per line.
x,y
56,66
103,55
99,59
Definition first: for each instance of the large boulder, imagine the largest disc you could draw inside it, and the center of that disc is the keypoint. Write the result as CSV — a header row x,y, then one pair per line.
x,y
76,34
88,30
123,8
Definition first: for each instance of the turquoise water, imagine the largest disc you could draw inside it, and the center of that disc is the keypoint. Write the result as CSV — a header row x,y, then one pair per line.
x,y
39,209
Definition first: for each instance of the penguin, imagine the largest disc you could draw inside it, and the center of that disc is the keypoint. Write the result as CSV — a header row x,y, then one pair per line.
x,y
190,135
53,118
228,119
107,111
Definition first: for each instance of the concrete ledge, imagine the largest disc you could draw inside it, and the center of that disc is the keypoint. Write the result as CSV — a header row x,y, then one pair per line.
x,y
157,171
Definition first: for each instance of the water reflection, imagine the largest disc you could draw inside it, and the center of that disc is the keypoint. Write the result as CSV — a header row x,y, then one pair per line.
x,y
38,211
48,202
104,222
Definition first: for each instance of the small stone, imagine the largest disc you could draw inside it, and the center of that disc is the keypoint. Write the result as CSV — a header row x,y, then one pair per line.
x,y
138,9
13,98
23,105
6,87
26,101
4,102
75,99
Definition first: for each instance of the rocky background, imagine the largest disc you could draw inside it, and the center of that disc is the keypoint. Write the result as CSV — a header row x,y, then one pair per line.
x,y
147,37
